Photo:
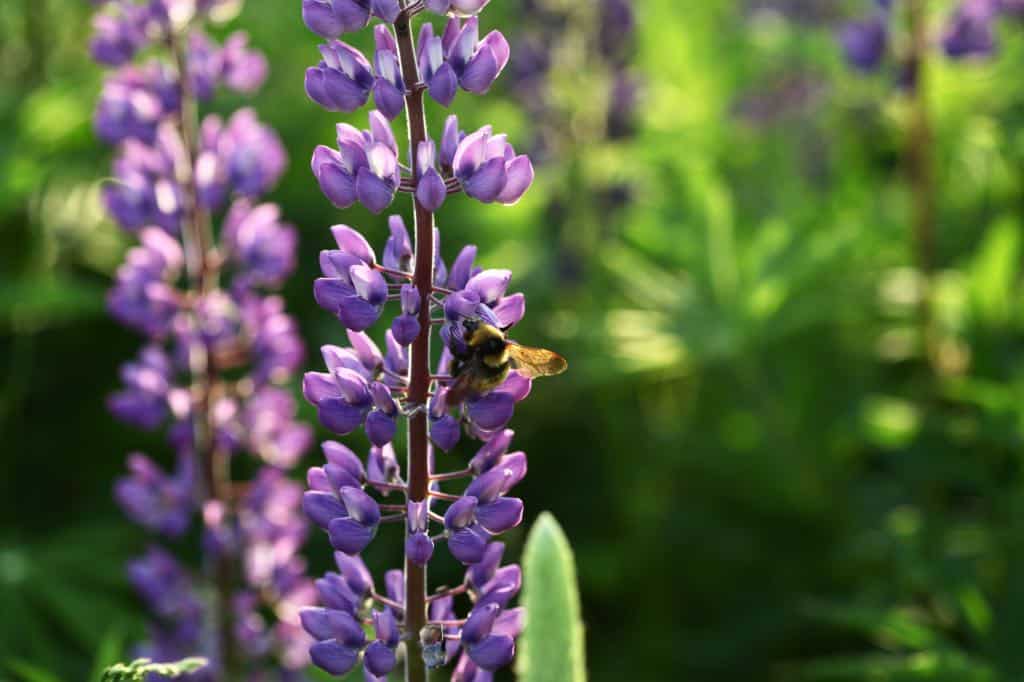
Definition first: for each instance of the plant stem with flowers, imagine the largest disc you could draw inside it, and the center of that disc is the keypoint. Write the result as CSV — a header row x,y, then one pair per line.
x,y
370,389
215,355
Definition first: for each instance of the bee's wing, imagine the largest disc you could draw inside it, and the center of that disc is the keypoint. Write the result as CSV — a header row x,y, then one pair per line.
x,y
536,362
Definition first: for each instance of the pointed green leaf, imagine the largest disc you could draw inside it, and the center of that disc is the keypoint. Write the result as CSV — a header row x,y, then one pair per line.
x,y
551,648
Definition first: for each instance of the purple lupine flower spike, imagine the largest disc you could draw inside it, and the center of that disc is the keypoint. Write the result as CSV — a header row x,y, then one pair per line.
x,y
194,326
363,387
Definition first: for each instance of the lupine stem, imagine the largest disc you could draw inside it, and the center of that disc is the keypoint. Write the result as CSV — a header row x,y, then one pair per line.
x,y
202,267
419,360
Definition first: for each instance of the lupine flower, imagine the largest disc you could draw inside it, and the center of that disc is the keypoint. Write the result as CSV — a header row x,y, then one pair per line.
x,y
134,101
459,8
331,18
268,419
364,168
489,170
147,381
418,545
242,69
142,297
158,502
167,589
351,288
117,37
144,191
389,86
258,243
276,347
343,79
205,65
430,190
243,155
406,327
436,72
476,63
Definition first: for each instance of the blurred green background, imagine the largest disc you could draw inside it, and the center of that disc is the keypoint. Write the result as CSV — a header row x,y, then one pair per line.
x,y
764,474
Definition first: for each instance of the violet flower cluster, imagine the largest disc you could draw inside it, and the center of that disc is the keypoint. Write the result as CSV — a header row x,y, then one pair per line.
x,y
215,359
969,32
409,287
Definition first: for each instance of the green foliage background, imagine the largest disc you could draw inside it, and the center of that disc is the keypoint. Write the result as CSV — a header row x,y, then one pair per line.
x,y
761,475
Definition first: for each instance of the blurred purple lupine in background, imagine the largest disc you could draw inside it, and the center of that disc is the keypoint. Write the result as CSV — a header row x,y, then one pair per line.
x,y
215,358
365,387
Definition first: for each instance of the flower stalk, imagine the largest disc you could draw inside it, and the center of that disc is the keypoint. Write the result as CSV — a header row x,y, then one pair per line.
x,y
419,359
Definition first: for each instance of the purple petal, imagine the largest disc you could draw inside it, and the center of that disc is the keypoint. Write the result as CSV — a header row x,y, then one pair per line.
x,y
385,9
510,622
330,293
449,141
460,513
493,652
369,284
350,536
355,572
517,386
518,178
499,47
462,268
318,387
340,417
431,191
342,455
335,593
353,15
319,16
333,657
479,624
388,99
352,242
419,548
338,186
405,329
501,515
445,432
384,623
357,314
374,193
480,71
322,508
378,659
443,85
492,411
486,183
380,428
468,545
480,574
361,507
490,285
325,624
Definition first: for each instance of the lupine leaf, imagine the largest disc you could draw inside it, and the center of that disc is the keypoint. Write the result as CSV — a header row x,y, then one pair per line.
x,y
551,648
140,667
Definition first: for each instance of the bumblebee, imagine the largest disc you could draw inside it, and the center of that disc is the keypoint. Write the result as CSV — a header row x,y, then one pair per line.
x,y
488,358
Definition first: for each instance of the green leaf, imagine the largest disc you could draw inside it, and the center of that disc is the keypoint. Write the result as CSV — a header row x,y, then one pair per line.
x,y
140,667
552,643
